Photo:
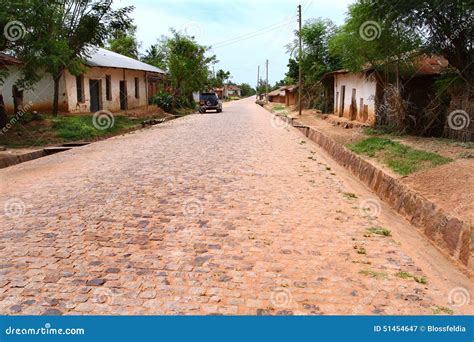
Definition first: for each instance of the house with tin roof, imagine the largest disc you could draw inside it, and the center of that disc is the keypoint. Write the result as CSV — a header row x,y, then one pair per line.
x,y
111,82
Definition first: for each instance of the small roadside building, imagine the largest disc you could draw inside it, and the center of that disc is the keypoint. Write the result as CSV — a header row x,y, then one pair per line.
x,y
111,82
231,90
287,95
291,95
219,92
277,95
359,95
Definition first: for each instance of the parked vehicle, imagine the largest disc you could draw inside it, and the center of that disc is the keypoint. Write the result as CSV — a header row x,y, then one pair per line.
x,y
209,101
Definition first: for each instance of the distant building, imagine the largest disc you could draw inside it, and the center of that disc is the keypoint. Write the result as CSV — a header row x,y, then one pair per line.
x,y
287,95
231,90
112,82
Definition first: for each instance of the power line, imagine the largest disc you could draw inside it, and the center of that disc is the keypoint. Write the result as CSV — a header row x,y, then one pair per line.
x,y
250,35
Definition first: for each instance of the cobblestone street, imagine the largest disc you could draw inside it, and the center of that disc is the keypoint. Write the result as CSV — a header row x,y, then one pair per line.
x,y
229,213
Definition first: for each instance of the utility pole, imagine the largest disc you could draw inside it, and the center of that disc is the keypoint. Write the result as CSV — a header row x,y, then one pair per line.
x,y
258,81
266,85
300,53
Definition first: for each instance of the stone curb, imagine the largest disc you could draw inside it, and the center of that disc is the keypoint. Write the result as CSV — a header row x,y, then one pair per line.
x,y
21,158
448,233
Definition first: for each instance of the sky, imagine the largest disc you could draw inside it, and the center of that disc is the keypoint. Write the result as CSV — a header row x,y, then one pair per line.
x,y
243,34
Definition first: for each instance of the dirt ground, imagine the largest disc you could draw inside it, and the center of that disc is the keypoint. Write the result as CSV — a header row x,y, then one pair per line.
x,y
451,186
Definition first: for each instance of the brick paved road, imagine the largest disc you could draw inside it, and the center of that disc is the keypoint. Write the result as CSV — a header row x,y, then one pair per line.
x,y
219,213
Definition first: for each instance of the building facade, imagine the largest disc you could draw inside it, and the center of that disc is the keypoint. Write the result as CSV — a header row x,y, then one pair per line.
x,y
111,82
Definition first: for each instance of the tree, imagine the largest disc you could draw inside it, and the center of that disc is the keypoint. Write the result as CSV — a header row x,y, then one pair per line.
x,y
446,28
368,39
262,86
187,64
155,55
293,71
222,77
316,59
59,34
246,90
124,41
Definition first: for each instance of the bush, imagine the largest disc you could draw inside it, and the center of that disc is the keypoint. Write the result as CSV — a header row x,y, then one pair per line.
x,y
163,100
184,102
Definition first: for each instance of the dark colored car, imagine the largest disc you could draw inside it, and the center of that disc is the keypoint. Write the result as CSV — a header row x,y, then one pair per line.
x,y
209,101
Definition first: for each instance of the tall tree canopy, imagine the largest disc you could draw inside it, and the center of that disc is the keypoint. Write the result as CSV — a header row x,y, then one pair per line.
x,y
316,59
446,27
155,55
367,38
187,63
124,41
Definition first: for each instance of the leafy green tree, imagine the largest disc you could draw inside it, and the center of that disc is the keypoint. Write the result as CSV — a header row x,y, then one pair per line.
x,y
124,41
447,28
246,89
293,71
368,39
59,34
187,64
155,55
316,59
262,86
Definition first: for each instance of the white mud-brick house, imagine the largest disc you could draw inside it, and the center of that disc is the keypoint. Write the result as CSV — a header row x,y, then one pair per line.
x,y
111,82
359,95
354,95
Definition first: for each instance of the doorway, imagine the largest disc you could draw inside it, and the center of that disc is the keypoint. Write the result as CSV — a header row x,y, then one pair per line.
x,y
123,95
343,94
94,90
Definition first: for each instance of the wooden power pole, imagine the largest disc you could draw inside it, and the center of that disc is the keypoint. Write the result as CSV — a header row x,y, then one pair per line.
x,y
266,85
300,53
258,81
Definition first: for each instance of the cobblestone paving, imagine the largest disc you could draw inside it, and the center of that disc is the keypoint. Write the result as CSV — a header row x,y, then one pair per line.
x,y
209,214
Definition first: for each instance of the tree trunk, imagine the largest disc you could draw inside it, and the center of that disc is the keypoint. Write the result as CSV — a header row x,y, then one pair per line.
x,y
3,113
56,79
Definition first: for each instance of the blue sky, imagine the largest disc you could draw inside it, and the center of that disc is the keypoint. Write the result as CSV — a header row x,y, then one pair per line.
x,y
242,33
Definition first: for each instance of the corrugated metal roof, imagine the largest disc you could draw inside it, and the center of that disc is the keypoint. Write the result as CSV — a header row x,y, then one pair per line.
x,y
99,57
8,60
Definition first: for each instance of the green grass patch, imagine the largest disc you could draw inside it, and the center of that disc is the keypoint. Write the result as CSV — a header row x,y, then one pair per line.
x,y
379,231
442,310
404,275
407,275
374,274
279,108
400,158
350,195
82,127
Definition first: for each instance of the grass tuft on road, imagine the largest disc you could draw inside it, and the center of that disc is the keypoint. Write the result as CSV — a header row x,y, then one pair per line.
x,y
402,159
